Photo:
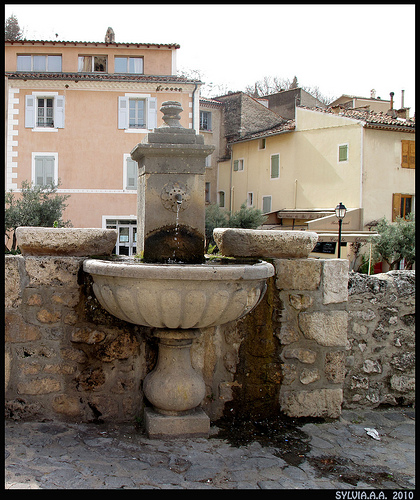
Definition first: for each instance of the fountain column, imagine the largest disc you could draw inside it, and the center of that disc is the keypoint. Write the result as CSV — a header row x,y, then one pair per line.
x,y
171,191
171,229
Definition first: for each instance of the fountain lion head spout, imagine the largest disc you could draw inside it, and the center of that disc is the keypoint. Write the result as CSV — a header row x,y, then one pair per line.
x,y
173,289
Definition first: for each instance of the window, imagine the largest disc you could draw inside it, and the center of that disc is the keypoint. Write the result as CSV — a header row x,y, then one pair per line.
x,y
266,204
130,173
128,65
275,166
207,192
44,111
39,63
408,154
402,205
250,199
205,120
127,235
92,64
44,168
343,152
208,161
137,112
238,165
221,196
261,143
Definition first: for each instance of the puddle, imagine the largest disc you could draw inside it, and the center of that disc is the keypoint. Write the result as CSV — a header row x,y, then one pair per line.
x,y
282,433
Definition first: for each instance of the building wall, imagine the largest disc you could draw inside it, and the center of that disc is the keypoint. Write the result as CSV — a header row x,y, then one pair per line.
x,y
311,175
382,172
157,61
90,149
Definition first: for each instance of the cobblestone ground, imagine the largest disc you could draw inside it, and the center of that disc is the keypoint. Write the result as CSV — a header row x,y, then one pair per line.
x,y
339,454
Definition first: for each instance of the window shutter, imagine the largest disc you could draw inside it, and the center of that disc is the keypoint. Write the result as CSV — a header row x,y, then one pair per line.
x,y
30,111
49,170
59,112
275,166
342,153
131,174
412,154
404,154
236,165
209,121
396,206
122,112
152,113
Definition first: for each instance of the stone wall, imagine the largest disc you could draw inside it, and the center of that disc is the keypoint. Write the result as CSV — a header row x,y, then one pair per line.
x,y
68,359
381,339
313,334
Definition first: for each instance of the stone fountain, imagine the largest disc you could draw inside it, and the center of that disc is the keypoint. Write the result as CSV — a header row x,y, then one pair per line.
x,y
172,288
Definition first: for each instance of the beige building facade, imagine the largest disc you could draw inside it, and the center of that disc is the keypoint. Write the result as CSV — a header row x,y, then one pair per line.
x,y
298,172
74,112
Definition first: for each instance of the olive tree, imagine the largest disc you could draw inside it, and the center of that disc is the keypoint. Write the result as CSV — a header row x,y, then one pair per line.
x,y
35,206
395,241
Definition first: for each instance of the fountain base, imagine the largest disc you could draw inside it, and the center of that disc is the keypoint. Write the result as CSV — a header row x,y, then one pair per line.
x,y
192,424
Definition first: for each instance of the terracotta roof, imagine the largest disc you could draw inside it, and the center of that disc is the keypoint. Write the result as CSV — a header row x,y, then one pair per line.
x,y
112,77
372,119
116,44
286,126
206,101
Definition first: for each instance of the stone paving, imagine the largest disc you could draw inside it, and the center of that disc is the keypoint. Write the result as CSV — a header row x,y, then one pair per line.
x,y
340,455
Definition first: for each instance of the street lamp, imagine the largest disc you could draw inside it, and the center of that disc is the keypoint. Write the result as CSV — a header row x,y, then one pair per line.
x,y
340,213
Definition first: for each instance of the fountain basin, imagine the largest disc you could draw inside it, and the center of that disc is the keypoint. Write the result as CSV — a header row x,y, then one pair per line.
x,y
178,296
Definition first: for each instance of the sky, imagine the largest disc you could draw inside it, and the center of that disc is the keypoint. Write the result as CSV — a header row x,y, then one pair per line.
x,y
340,48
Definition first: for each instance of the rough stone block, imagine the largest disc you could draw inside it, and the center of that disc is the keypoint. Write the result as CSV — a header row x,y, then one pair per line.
x,y
65,241
53,271
335,281
402,383
303,355
308,376
16,330
12,280
271,243
298,274
312,403
334,369
39,386
326,328
194,424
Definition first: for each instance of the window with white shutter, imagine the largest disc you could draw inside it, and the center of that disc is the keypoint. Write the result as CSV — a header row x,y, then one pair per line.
x,y
137,112
44,111
44,169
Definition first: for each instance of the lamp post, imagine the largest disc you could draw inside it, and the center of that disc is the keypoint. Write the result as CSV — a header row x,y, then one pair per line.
x,y
340,213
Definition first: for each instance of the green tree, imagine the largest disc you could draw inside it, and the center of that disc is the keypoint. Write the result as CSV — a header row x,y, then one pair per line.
x,y
215,217
245,218
36,206
395,241
12,29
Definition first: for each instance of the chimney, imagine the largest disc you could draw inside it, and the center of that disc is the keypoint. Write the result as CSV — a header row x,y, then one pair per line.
x,y
402,99
392,99
110,36
373,94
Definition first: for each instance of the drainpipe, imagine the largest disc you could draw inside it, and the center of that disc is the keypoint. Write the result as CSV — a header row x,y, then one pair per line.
x,y
230,181
392,99
193,105
295,192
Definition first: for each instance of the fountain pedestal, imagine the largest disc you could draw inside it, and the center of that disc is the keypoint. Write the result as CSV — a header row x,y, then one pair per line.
x,y
175,389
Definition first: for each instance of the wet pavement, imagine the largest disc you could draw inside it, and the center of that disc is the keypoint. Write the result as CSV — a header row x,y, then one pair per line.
x,y
336,454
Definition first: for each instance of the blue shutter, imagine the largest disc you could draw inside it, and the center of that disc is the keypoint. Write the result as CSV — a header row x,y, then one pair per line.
x,y
122,112
59,112
30,111
152,113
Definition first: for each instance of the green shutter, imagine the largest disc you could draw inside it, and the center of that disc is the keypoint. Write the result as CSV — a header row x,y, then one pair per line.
x,y
275,166
236,165
343,153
